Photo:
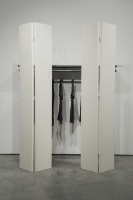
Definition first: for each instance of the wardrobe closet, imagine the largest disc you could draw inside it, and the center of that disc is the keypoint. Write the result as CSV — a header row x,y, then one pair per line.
x,y
97,96
66,137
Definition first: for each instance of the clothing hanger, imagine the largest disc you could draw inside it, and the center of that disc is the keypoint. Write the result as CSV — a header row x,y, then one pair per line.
x,y
61,79
73,76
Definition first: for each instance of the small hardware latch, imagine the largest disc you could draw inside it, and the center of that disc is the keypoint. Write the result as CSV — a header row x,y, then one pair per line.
x,y
33,39
99,39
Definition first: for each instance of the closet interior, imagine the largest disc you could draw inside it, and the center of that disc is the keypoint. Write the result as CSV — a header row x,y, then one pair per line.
x,y
66,136
95,92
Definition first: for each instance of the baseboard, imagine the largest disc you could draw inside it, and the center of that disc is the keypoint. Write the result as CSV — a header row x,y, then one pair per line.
x,y
123,155
9,154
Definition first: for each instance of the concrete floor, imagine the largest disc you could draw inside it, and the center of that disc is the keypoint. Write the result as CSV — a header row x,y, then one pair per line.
x,y
65,181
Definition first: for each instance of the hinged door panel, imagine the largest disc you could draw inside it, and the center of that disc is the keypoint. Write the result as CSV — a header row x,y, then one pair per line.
x,y
26,96
43,96
89,91
107,92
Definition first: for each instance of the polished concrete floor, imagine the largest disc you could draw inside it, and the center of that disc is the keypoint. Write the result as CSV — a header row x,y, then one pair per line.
x,y
66,180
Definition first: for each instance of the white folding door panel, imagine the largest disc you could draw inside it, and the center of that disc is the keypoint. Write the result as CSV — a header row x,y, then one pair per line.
x,y
107,91
89,89
43,96
26,96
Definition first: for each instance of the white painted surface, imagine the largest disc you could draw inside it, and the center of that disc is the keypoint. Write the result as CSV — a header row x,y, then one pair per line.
x,y
107,97
124,110
26,96
66,50
89,90
43,96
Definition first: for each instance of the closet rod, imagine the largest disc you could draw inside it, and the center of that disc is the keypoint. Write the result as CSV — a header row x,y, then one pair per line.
x,y
68,81
78,66
66,70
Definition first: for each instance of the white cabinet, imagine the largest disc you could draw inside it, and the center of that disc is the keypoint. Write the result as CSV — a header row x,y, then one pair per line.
x,y
35,51
98,89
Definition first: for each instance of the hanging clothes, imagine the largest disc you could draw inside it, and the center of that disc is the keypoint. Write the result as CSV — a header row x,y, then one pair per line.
x,y
72,96
53,97
80,112
60,117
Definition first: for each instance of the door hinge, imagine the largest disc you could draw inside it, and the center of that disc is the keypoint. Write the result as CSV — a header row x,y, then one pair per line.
x,y
99,39
33,39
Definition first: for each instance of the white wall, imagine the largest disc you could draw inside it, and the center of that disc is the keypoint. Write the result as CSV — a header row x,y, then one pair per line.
x,y
66,18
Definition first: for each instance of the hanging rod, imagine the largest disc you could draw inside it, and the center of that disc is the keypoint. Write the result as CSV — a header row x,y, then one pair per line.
x,y
60,68
67,70
66,66
67,81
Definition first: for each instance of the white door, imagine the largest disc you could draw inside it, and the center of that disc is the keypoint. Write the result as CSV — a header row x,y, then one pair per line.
x,y
107,92
26,96
43,96
89,91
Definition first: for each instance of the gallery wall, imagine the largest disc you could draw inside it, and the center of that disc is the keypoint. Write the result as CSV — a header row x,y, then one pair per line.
x,y
66,18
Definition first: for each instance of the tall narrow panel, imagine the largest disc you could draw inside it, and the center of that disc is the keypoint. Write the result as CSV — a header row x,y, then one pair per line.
x,y
43,96
107,89
89,109
26,96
